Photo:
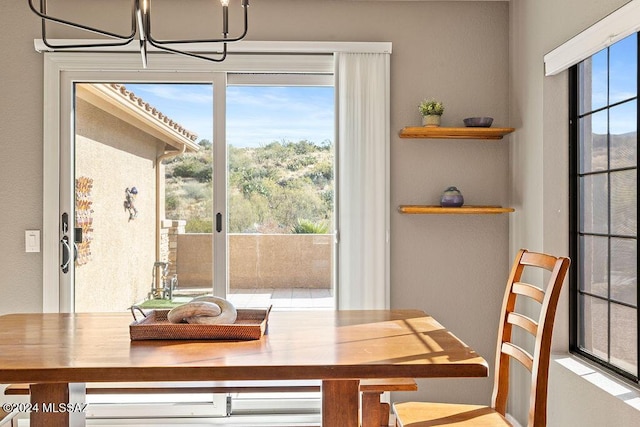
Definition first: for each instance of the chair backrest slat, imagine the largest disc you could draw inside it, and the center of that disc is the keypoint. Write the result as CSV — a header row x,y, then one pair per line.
x,y
518,354
528,290
524,322
537,363
538,260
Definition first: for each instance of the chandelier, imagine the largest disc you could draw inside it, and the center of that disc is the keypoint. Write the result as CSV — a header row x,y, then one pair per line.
x,y
141,26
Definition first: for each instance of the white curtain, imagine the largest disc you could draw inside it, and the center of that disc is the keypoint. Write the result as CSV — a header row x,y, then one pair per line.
x,y
362,81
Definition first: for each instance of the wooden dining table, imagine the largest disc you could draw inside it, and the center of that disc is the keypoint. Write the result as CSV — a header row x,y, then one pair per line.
x,y
53,352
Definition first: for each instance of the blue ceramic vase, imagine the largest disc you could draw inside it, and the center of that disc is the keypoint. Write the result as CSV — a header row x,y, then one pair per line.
x,y
451,198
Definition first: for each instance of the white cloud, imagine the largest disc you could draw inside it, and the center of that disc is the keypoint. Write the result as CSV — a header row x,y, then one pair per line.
x,y
255,114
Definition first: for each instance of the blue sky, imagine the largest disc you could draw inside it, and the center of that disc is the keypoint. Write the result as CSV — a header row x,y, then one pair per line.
x,y
614,79
256,115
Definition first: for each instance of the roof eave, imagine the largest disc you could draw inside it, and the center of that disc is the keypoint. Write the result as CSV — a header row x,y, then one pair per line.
x,y
116,100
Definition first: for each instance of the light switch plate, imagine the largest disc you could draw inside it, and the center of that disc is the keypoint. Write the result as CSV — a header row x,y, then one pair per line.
x,y
32,240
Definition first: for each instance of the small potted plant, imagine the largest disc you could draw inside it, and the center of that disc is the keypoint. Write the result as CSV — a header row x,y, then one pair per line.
x,y
431,111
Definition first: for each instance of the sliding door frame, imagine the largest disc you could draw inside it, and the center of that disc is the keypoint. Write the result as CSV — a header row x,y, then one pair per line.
x,y
63,70
67,152
265,57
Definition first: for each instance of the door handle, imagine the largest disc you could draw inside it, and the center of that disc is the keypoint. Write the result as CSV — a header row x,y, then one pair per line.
x,y
218,222
66,254
66,247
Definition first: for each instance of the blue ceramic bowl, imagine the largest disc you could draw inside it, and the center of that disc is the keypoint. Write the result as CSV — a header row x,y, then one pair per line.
x,y
478,122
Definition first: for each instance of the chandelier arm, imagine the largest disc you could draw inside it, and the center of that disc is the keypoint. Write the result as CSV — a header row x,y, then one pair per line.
x,y
158,43
143,28
82,46
143,52
44,17
190,54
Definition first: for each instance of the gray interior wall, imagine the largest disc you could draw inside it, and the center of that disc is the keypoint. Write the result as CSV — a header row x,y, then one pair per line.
x,y
451,266
539,185
21,158
456,51
459,52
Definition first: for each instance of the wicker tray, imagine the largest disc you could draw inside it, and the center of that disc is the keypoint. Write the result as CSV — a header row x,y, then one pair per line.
x,y
251,324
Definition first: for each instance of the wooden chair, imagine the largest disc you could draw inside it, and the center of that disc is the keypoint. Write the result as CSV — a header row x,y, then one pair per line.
x,y
6,417
422,414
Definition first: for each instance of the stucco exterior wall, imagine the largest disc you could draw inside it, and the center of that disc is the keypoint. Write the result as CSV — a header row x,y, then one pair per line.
x,y
274,260
259,261
116,156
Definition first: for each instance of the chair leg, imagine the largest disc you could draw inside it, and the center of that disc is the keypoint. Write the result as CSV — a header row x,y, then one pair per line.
x,y
5,417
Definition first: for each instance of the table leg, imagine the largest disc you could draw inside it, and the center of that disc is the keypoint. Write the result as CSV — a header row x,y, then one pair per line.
x,y
374,412
340,403
45,399
57,405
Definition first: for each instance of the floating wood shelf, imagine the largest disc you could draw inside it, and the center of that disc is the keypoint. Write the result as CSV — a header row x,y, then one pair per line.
x,y
422,209
454,133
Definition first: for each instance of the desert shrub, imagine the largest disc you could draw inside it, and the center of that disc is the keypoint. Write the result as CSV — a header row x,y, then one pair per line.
x,y
172,201
270,187
321,173
304,226
196,191
199,225
193,167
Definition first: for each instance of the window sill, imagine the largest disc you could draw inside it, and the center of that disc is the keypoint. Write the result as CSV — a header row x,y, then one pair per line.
x,y
617,388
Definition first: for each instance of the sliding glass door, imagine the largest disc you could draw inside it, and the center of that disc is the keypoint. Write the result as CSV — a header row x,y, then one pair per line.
x,y
143,181
137,181
158,204
280,194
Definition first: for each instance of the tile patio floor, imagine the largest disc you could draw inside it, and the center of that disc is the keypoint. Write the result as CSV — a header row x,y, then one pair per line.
x,y
289,299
